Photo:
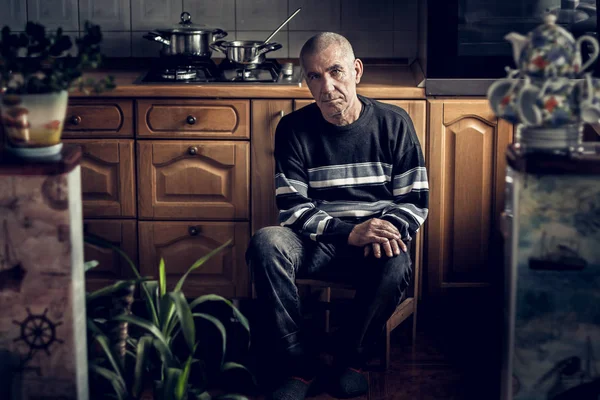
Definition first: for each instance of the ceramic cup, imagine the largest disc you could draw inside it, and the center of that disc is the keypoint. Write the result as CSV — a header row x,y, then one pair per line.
x,y
589,99
550,103
503,95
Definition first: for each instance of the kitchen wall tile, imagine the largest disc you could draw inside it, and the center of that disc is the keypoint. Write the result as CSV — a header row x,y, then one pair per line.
x,y
14,14
54,13
154,14
213,13
315,15
280,37
111,15
368,44
116,44
405,15
260,15
297,40
405,45
374,15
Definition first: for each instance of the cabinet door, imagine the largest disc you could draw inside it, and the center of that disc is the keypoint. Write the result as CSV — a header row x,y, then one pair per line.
x,y
181,243
298,104
467,146
193,179
107,177
266,114
111,265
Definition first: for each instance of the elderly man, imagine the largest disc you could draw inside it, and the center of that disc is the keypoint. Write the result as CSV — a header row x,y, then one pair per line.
x,y
352,191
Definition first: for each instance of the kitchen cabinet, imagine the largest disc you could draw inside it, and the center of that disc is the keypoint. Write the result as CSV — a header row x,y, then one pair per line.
x,y
466,160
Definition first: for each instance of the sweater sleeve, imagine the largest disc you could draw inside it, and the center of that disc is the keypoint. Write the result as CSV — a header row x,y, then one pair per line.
x,y
296,210
410,190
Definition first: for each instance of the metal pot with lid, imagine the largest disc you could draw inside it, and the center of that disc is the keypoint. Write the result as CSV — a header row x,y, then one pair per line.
x,y
186,38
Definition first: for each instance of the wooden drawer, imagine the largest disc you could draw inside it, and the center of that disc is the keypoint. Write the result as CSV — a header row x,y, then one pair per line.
x,y
298,104
180,244
211,119
99,118
193,179
111,267
107,177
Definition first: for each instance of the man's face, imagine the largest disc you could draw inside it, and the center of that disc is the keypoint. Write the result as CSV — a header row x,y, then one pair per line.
x,y
332,78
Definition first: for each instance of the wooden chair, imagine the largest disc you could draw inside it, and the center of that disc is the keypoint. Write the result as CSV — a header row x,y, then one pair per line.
x,y
408,306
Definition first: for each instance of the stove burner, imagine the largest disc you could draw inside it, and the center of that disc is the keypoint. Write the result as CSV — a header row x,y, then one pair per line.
x,y
179,73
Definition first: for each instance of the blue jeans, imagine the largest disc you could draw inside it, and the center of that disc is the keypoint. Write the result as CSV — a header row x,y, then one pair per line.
x,y
278,255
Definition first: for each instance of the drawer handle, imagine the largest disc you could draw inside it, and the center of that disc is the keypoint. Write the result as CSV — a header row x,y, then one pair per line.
x,y
190,119
281,114
193,150
75,120
193,230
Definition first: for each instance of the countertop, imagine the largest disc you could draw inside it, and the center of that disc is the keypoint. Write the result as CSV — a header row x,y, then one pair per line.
x,y
378,81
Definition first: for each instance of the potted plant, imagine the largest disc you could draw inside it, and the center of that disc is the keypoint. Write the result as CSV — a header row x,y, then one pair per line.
x,y
37,72
180,349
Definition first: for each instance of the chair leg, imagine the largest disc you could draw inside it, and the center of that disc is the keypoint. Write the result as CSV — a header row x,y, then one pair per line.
x,y
386,355
414,327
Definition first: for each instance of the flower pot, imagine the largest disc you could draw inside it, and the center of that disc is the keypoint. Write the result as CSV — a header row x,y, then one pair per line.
x,y
33,123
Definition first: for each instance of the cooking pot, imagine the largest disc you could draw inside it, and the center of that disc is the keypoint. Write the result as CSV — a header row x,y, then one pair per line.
x,y
186,38
245,51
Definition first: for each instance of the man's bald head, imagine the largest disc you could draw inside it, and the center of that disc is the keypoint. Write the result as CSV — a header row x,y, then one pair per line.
x,y
322,41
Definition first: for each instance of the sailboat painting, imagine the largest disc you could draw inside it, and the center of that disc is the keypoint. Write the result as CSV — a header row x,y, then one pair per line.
x,y
556,333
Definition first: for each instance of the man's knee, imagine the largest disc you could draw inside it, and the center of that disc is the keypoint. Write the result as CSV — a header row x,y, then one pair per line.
x,y
397,271
269,240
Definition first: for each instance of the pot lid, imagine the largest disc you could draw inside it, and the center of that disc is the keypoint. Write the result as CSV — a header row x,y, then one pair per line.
x,y
186,26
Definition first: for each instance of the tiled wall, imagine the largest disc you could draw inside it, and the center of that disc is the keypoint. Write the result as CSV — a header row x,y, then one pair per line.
x,y
376,28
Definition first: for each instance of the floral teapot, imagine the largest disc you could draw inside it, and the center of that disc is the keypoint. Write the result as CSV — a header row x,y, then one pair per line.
x,y
550,50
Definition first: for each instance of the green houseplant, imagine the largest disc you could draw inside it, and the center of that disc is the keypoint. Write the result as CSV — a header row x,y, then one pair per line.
x,y
168,350
37,71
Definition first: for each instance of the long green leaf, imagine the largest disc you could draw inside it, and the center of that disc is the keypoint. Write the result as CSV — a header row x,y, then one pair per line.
x,y
165,354
213,297
182,383
102,339
221,329
90,264
184,313
166,312
230,365
143,347
231,397
203,396
162,277
142,323
109,290
150,292
113,378
198,263
170,383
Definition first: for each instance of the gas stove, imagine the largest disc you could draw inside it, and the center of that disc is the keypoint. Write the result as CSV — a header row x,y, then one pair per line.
x,y
193,71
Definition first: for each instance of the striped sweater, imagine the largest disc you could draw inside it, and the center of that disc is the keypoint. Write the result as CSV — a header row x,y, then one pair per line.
x,y
329,178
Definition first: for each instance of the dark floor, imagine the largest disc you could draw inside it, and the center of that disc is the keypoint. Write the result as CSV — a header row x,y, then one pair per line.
x,y
455,357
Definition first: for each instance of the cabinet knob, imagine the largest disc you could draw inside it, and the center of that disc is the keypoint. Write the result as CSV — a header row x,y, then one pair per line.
x,y
75,120
193,230
281,114
190,119
193,150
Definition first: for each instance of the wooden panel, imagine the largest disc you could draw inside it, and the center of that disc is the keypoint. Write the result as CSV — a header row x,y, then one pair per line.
x,y
266,114
302,103
111,267
99,118
217,119
466,170
193,179
181,243
107,177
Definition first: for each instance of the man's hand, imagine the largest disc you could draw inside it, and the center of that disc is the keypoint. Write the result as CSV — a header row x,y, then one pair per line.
x,y
374,230
391,249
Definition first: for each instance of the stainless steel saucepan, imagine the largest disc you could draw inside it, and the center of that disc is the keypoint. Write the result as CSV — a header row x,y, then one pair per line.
x,y
186,39
245,51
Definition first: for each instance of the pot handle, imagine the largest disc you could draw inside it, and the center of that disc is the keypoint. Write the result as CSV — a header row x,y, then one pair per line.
x,y
154,36
218,34
218,46
265,48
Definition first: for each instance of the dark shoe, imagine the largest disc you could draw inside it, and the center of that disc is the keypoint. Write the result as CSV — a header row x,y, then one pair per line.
x,y
293,388
347,383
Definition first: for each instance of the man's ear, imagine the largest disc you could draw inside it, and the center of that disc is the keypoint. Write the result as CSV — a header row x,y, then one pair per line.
x,y
358,69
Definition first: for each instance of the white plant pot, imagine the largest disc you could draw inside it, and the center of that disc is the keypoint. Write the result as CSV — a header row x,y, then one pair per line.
x,y
33,123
